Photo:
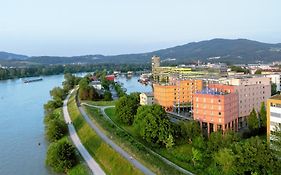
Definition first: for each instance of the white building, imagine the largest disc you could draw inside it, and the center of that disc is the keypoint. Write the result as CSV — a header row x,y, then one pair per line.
x,y
96,84
146,98
275,78
273,114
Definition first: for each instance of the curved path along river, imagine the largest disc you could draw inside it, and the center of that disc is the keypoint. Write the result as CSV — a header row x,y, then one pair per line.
x,y
117,148
102,108
92,164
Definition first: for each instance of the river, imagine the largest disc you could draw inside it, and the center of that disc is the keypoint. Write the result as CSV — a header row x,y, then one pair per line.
x,y
22,127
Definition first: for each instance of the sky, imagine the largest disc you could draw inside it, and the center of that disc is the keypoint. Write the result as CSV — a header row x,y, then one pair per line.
x,y
109,27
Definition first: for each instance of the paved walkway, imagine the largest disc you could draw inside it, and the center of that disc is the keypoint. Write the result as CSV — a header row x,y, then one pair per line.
x,y
117,148
92,164
152,152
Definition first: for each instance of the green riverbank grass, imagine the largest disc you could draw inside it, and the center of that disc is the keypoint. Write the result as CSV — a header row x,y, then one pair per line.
x,y
109,160
101,103
128,143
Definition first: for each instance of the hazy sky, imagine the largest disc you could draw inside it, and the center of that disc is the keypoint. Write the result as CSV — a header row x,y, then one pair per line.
x,y
77,27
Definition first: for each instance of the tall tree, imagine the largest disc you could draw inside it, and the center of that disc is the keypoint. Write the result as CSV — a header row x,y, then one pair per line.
x,y
253,122
273,89
262,115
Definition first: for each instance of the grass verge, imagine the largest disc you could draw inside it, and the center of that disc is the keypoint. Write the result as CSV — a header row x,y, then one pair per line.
x,y
101,103
128,143
109,160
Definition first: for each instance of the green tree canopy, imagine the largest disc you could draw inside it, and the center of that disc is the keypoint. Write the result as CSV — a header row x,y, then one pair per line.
x,y
126,108
61,156
262,115
276,140
58,93
190,129
153,125
273,89
56,129
253,122
225,159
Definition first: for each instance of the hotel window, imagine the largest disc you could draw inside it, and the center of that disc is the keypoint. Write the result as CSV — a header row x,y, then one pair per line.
x,y
219,113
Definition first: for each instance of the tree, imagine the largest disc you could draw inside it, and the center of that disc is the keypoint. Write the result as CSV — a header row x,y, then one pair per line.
x,y
152,125
254,156
258,71
58,93
190,130
126,108
273,89
276,140
253,122
262,116
56,129
197,157
87,92
61,156
225,159
107,96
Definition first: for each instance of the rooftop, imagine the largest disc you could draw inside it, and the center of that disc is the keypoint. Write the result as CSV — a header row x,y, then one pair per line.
x,y
276,97
149,94
211,91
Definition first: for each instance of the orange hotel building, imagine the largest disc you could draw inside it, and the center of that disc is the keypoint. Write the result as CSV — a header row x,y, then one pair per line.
x,y
216,108
175,92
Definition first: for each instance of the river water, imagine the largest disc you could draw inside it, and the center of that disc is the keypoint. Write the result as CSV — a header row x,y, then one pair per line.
x,y
22,127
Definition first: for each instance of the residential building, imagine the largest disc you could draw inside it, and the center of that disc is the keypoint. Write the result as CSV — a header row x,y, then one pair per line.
x,y
96,84
216,110
110,77
146,98
176,92
273,114
252,92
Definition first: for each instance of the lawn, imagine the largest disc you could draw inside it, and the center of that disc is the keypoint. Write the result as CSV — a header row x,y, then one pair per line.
x,y
101,103
129,143
109,160
179,154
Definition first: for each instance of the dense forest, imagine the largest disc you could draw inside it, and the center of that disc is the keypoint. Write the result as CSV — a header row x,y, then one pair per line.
x,y
10,73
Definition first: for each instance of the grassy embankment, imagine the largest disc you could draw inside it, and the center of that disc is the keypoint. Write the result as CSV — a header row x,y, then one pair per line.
x,y
109,160
128,143
81,168
100,103
180,154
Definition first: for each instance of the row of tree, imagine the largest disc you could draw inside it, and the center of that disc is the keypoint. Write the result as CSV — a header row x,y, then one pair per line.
x,y
9,73
61,155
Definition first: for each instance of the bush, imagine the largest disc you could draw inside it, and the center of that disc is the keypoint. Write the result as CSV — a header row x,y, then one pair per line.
x,y
61,156
56,129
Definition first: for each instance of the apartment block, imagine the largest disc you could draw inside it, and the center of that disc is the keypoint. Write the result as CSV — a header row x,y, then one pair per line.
x,y
252,92
216,109
176,92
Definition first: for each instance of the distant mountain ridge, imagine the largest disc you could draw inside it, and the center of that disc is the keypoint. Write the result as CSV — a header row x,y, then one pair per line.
x,y
11,56
215,50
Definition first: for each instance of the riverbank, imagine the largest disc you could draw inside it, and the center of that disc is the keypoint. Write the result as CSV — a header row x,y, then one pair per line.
x,y
108,159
